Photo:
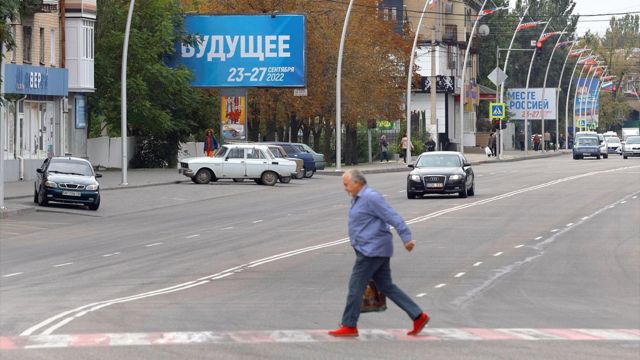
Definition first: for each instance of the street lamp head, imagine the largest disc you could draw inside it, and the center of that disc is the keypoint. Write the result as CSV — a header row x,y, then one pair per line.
x,y
484,30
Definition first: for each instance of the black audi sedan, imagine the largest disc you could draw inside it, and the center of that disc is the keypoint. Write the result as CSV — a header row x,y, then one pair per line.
x,y
440,172
67,180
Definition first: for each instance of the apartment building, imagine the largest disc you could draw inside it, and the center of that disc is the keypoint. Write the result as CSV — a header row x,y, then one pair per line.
x,y
46,79
447,26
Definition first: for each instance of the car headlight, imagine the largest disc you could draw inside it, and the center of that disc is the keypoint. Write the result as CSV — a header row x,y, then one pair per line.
x,y
415,177
50,184
455,177
92,187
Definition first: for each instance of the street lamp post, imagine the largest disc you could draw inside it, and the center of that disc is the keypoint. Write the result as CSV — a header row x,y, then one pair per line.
x,y
464,70
409,77
576,110
338,89
123,91
566,107
566,122
544,86
526,111
587,101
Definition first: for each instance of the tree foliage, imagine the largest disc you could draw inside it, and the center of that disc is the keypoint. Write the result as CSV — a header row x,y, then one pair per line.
x,y
162,107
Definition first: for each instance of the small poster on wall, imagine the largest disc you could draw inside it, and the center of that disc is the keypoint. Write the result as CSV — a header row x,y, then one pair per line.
x,y
80,113
233,117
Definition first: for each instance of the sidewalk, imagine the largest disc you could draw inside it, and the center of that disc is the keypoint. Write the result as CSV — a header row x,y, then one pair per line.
x,y
112,179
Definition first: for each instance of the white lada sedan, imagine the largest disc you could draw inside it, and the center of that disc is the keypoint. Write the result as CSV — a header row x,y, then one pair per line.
x,y
239,162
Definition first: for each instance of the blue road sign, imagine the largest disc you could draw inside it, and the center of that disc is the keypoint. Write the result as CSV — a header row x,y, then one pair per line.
x,y
496,110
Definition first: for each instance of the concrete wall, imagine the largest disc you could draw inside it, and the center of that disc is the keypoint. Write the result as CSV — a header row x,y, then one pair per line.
x,y
12,169
107,152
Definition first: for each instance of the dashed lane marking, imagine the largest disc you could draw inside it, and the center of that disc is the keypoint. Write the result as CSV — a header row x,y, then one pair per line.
x,y
498,253
192,236
554,230
518,246
478,263
227,228
440,286
12,274
65,264
154,244
258,221
538,238
460,274
32,342
421,295
569,224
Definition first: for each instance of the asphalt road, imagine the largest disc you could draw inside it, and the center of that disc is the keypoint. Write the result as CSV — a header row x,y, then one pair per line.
x,y
237,270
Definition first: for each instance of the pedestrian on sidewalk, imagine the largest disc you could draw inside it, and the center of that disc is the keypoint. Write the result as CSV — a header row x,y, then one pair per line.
x,y
370,237
430,145
210,143
547,140
491,143
384,148
536,142
404,145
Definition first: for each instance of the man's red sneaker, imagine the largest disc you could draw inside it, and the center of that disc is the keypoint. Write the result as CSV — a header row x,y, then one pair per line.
x,y
419,323
344,331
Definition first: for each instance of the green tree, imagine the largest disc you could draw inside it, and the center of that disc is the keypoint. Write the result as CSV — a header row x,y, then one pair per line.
x,y
10,10
163,108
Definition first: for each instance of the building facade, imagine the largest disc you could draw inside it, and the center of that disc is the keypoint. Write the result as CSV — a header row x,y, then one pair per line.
x,y
45,80
447,26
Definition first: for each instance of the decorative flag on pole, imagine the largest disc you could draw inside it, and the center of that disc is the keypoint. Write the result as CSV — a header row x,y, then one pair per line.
x,y
529,25
608,78
432,4
577,53
607,85
490,11
563,44
546,36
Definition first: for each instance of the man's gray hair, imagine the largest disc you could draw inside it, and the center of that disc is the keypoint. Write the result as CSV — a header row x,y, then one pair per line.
x,y
356,175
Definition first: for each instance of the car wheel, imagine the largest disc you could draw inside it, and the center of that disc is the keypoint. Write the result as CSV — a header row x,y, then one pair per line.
x,y
472,191
95,205
203,176
42,198
300,174
308,173
606,156
35,195
624,156
285,179
411,195
269,178
463,194
598,157
238,180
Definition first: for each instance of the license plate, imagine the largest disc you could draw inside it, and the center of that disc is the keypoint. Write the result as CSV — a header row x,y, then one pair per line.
x,y
435,185
586,154
71,193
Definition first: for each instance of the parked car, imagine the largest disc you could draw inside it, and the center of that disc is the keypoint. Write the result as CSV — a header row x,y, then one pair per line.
x,y
614,146
239,162
68,180
293,151
586,145
440,172
631,147
279,152
317,157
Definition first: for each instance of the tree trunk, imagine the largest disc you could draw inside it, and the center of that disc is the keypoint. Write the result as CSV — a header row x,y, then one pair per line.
x,y
328,130
351,146
317,132
294,126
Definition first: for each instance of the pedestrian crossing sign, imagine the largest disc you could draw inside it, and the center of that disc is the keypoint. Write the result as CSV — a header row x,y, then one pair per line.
x,y
496,111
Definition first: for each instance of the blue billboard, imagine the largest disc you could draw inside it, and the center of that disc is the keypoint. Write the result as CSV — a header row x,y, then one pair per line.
x,y
245,50
35,80
586,105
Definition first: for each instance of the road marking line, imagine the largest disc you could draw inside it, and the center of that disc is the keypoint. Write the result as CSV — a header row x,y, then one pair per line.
x,y
190,284
440,285
317,336
227,228
154,244
554,230
421,295
623,202
258,221
12,274
112,254
8,232
192,236
585,218
498,253
569,224
478,263
538,238
65,264
635,197
518,246
459,274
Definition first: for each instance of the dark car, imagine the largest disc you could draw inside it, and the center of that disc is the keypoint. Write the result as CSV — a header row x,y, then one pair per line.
x,y
586,146
67,180
440,172
296,152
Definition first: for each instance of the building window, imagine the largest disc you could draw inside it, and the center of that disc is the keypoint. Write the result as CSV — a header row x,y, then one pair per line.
x,y
451,57
87,39
41,46
26,47
52,47
394,14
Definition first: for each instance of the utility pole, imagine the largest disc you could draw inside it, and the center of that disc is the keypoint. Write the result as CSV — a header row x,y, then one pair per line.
x,y
123,91
338,90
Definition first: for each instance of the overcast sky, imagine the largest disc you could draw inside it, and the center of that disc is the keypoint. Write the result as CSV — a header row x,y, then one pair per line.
x,y
600,24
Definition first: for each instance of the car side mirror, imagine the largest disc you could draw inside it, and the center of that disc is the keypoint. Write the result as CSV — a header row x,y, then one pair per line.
x,y
39,171
411,166
98,175
466,164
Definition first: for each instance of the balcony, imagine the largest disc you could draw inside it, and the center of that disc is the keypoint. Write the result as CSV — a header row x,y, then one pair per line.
x,y
450,34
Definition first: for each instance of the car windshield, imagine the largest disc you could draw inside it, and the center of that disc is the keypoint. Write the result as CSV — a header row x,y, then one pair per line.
x,y
613,140
276,152
438,161
588,141
72,167
222,152
633,140
290,149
